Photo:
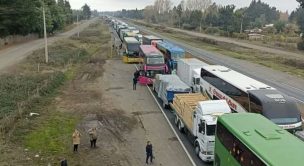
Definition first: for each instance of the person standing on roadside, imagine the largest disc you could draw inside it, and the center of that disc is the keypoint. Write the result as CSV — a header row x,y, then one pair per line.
x,y
76,139
93,137
136,74
134,83
149,152
63,162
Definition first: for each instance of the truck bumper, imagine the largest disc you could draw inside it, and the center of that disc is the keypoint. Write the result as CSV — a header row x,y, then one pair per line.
x,y
127,59
206,158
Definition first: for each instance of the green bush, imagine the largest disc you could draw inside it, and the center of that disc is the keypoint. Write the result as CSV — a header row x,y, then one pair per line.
x,y
239,35
188,27
212,30
301,45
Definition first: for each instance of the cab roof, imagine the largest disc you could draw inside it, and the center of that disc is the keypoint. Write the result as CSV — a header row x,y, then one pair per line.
x,y
150,50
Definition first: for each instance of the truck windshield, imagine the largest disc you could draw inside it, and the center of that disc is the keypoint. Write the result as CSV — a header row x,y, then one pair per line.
x,y
210,130
133,47
282,113
152,73
155,60
177,56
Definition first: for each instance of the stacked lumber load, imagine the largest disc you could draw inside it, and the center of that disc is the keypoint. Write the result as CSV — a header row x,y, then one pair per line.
x,y
185,104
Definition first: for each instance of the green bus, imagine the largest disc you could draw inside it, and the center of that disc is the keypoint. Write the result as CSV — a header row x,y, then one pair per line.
x,y
248,139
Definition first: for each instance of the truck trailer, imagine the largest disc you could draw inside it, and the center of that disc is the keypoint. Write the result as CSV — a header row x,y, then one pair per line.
x,y
189,71
166,86
196,116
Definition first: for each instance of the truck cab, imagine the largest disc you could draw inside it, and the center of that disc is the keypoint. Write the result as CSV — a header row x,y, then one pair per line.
x,y
205,118
201,126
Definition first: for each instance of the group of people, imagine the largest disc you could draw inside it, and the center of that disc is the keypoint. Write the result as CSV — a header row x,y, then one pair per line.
x,y
93,138
76,138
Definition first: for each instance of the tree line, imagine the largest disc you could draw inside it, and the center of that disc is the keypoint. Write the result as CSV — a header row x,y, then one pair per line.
x,y
203,15
22,17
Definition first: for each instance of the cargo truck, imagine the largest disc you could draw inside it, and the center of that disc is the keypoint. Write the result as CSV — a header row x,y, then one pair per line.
x,y
196,116
189,71
166,86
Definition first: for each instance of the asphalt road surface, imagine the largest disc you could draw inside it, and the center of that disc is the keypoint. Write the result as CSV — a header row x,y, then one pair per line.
x,y
185,140
291,85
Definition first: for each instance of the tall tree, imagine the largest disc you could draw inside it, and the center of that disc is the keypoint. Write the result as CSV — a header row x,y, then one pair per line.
x,y
300,21
86,11
301,3
226,18
259,13
179,12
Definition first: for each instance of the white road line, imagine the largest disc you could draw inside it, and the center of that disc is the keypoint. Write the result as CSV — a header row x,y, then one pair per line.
x,y
163,112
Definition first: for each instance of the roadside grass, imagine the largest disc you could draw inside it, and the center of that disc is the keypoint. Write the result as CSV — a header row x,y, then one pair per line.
x,y
51,134
277,62
33,86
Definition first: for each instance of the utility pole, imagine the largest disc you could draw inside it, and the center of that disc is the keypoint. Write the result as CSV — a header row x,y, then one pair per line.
x,y
77,26
241,30
45,37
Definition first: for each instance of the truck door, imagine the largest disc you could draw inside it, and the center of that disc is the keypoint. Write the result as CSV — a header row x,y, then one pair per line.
x,y
201,128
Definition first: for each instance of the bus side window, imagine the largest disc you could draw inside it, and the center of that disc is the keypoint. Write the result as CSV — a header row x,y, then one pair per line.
x,y
236,148
255,104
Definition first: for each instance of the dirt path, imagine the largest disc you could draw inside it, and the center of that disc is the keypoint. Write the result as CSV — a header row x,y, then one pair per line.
x,y
15,53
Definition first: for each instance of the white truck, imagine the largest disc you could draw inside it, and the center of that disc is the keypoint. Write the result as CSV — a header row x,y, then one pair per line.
x,y
196,116
189,71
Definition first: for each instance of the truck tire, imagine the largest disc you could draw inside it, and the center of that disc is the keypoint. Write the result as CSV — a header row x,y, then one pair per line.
x,y
197,149
179,126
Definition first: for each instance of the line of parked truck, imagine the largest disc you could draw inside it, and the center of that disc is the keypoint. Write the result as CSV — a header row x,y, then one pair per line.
x,y
199,94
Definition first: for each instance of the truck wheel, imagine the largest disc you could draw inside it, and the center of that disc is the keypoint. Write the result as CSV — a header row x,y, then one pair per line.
x,y
197,149
179,126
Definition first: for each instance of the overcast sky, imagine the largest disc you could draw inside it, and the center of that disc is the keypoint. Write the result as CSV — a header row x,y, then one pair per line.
x,y
113,5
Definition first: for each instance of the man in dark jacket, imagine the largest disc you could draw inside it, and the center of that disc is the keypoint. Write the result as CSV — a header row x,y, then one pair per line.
x,y
149,152
136,74
134,83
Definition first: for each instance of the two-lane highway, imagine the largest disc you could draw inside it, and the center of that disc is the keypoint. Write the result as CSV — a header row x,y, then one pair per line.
x,y
284,82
